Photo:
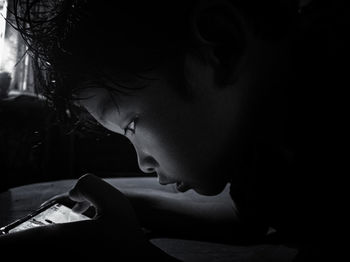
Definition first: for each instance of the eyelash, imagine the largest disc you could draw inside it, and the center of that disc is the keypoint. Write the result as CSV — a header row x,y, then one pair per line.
x,y
129,129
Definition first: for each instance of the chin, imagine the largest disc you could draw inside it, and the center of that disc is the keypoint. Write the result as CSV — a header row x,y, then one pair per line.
x,y
209,190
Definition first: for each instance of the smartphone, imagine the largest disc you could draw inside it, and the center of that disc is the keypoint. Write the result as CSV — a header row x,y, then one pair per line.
x,y
54,212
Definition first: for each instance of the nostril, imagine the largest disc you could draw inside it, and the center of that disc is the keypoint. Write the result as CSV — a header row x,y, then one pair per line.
x,y
147,163
150,170
147,169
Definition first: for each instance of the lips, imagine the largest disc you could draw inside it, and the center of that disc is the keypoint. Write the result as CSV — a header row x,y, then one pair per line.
x,y
164,180
182,187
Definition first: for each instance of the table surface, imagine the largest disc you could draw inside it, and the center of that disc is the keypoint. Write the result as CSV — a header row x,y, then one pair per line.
x,y
17,202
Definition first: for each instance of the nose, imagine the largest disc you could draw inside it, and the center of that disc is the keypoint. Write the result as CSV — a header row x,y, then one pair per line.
x,y
147,163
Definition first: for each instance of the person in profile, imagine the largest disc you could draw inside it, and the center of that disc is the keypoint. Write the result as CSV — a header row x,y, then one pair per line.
x,y
208,93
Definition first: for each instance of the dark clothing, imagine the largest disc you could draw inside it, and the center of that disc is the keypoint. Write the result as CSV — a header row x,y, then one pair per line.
x,y
293,187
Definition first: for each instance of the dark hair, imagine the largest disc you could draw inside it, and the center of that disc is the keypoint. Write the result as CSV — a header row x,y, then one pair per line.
x,y
76,43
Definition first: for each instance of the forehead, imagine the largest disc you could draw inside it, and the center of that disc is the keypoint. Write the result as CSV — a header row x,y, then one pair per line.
x,y
117,100
136,93
99,103
92,97
108,85
125,86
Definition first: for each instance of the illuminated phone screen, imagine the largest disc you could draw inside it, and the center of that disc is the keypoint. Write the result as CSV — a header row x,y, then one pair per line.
x,y
55,214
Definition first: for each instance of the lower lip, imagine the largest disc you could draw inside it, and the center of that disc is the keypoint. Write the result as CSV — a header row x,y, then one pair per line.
x,y
181,187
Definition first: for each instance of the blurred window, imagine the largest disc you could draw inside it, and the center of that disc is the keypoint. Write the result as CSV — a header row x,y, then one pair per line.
x,y
14,59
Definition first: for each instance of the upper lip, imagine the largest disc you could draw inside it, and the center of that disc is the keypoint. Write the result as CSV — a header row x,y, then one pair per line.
x,y
163,180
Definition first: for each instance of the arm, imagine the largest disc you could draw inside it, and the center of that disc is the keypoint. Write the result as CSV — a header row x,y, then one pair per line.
x,y
168,213
114,231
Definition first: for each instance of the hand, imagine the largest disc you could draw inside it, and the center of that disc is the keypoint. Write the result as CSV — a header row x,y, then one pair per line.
x,y
113,233
113,210
78,207
115,225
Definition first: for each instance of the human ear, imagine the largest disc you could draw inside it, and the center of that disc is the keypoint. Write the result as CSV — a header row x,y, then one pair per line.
x,y
219,34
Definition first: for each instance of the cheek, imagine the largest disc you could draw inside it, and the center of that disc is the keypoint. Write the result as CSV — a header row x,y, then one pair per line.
x,y
163,140
192,155
181,141
175,148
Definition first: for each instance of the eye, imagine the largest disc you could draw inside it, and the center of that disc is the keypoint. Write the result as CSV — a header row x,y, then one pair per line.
x,y
131,127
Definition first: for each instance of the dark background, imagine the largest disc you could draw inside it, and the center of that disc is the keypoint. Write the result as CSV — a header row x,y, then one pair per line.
x,y
34,147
